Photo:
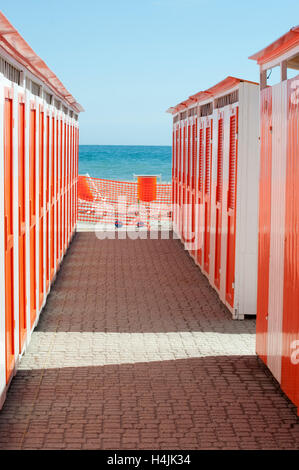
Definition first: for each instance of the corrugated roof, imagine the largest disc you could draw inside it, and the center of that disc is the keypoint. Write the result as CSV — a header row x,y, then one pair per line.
x,y
278,47
224,85
16,46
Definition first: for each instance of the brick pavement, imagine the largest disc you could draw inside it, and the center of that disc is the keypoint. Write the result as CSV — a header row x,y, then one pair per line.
x,y
134,351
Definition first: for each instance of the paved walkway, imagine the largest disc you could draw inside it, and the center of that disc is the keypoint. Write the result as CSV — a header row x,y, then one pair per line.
x,y
134,351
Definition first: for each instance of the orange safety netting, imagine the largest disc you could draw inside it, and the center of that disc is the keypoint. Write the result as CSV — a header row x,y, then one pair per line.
x,y
116,203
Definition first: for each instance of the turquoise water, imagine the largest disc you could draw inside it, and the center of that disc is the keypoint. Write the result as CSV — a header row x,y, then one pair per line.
x,y
120,162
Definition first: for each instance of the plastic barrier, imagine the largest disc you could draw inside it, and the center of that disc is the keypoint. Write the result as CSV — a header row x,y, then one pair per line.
x,y
117,203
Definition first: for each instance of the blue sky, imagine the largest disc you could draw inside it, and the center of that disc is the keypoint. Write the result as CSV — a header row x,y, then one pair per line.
x,y
127,61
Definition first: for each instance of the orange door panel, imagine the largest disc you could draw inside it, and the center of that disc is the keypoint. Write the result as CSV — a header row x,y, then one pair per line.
x,y
52,203
47,250
61,191
65,176
22,229
41,208
200,192
32,213
173,166
8,238
264,223
47,202
69,177
231,209
207,196
68,182
71,183
219,185
32,274
72,163
52,243
57,192
57,232
41,261
176,169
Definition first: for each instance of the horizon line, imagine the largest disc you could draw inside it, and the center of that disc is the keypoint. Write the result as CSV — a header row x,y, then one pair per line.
x,y
128,145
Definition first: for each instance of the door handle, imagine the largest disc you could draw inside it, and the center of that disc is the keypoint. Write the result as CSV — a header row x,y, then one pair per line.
x,y
20,230
5,233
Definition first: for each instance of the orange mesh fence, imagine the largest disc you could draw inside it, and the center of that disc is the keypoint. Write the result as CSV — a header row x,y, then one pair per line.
x,y
116,203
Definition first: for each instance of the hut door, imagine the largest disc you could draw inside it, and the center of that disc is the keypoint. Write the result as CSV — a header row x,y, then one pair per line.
x,y
32,213
41,208
219,185
200,193
231,208
207,195
47,201
22,229
52,204
8,238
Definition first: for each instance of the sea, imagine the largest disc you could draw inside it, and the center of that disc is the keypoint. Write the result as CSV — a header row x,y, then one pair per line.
x,y
122,162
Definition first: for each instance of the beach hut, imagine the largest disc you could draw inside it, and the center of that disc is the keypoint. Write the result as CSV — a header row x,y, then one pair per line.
x,y
215,187
38,190
278,276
